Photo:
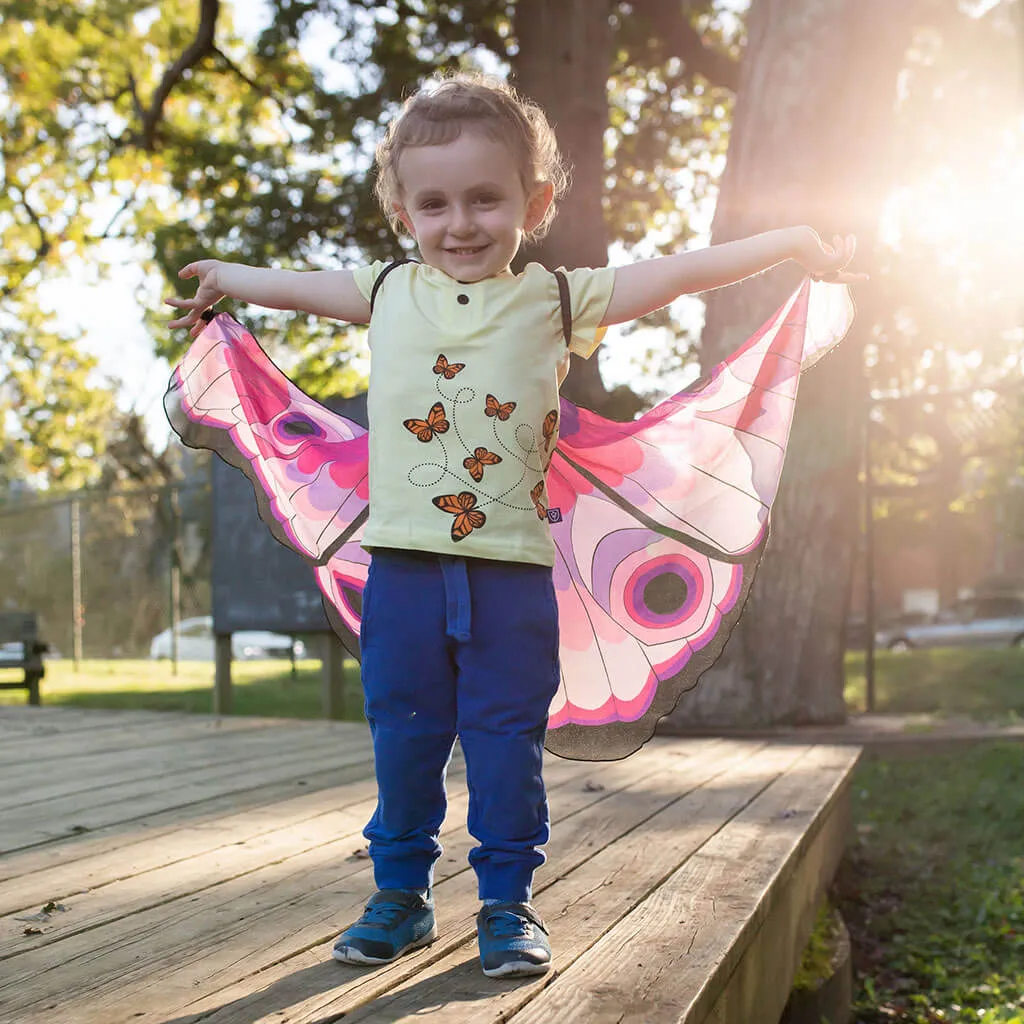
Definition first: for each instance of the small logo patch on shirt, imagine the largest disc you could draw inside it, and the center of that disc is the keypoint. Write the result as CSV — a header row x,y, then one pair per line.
x,y
554,515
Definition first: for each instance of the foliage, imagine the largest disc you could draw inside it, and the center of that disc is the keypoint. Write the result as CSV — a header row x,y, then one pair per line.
x,y
933,890
264,688
157,133
945,297
987,685
816,964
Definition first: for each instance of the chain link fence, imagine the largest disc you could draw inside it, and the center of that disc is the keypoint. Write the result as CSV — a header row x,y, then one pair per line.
x,y
106,571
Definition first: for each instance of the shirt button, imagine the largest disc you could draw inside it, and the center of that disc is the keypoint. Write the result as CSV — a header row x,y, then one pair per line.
x,y
462,299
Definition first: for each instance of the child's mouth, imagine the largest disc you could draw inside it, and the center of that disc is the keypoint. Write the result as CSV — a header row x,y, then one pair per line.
x,y
467,250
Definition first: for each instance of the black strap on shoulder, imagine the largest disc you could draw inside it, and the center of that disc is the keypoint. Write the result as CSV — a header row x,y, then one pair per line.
x,y
566,304
380,278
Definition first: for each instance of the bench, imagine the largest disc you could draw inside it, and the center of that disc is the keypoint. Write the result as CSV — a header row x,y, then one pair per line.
x,y
22,628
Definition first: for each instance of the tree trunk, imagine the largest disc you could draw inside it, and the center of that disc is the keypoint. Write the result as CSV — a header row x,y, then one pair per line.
x,y
814,112
565,51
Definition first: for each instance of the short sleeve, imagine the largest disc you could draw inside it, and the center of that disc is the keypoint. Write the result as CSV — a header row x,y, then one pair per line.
x,y
590,291
365,276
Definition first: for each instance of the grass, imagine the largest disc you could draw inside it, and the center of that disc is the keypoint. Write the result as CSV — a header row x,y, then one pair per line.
x,y
981,684
932,889
259,687
985,684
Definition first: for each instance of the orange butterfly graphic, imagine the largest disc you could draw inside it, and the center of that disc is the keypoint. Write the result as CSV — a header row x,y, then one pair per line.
x,y
448,369
535,493
435,423
467,517
500,409
475,463
548,429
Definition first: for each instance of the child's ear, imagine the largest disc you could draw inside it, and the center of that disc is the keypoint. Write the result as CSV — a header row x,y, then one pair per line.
x,y
402,214
538,204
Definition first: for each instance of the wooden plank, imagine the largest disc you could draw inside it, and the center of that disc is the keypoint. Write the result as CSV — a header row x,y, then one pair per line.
x,y
602,863
70,883
135,775
761,983
206,814
65,719
105,772
671,958
37,747
57,818
240,927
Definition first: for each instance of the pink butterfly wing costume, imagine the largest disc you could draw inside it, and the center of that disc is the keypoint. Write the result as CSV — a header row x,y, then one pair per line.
x,y
659,523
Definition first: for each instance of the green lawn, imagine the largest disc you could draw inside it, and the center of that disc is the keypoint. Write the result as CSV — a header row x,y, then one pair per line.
x,y
260,687
932,888
982,683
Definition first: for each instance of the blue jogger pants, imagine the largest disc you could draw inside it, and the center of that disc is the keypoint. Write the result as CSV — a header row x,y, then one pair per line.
x,y
468,648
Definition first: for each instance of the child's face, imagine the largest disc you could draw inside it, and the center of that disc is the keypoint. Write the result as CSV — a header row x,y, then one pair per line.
x,y
465,205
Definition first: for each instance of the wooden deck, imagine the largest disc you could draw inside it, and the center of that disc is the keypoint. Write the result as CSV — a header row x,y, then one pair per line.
x,y
197,869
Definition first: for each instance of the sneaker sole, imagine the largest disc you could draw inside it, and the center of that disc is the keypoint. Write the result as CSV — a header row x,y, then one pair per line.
x,y
517,970
350,955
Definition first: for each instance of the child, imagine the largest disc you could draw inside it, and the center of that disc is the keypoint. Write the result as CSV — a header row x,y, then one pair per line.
x,y
459,631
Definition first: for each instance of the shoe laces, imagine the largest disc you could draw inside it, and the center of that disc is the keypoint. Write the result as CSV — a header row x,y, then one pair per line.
x,y
504,924
382,913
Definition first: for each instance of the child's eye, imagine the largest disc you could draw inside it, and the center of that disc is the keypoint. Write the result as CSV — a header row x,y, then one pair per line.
x,y
432,205
486,199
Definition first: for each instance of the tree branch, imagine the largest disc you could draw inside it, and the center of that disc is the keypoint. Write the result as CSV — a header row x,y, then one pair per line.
x,y
200,47
43,250
669,24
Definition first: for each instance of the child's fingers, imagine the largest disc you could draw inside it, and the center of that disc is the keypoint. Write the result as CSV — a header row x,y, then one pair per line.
x,y
189,270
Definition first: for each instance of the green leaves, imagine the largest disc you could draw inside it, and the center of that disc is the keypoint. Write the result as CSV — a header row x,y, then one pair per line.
x,y
935,897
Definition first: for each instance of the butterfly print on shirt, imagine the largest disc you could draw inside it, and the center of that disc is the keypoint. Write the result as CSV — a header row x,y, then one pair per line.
x,y
435,423
500,409
548,428
449,370
467,516
535,496
475,463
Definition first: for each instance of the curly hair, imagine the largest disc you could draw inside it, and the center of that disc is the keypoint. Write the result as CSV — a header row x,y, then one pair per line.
x,y
444,106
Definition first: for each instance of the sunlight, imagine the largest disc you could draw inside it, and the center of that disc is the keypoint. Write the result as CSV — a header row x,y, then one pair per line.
x,y
941,209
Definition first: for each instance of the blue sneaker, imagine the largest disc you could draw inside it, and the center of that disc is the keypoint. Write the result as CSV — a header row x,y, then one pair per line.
x,y
513,940
394,922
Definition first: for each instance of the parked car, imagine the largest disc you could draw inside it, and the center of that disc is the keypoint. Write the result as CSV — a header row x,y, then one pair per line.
x,y
11,652
196,643
977,622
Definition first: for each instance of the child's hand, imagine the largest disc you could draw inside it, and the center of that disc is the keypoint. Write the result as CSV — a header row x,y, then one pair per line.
x,y
208,293
826,262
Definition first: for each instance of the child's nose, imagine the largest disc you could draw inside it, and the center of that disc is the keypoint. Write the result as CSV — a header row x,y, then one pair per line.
x,y
461,222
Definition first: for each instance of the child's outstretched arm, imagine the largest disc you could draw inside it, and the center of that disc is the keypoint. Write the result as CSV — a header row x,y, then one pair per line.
x,y
642,287
330,293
